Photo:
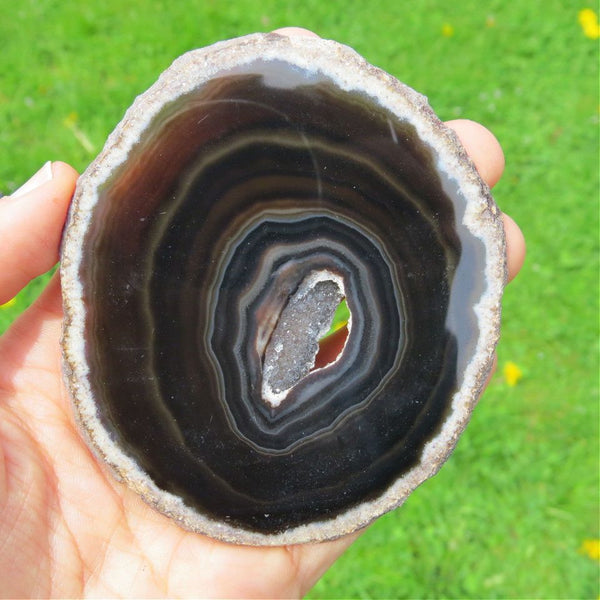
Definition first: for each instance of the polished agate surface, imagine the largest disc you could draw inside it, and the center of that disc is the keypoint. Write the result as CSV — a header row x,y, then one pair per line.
x,y
215,255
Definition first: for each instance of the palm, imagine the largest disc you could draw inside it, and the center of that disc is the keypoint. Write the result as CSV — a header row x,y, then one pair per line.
x,y
81,533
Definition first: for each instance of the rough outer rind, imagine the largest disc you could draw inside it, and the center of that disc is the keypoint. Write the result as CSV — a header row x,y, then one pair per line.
x,y
351,72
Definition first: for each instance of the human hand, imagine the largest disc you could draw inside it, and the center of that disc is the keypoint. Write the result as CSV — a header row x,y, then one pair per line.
x,y
67,528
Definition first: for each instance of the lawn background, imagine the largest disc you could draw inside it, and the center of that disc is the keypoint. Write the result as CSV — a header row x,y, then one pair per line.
x,y
508,514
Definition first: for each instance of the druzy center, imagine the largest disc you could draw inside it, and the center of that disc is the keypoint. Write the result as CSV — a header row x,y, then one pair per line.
x,y
290,353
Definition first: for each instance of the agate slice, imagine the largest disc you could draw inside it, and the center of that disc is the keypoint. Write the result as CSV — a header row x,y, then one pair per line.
x,y
256,185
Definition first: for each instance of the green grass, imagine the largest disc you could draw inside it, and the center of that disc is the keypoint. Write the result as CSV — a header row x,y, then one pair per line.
x,y
506,516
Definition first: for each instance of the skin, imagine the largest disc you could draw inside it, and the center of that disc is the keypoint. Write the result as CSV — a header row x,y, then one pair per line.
x,y
67,529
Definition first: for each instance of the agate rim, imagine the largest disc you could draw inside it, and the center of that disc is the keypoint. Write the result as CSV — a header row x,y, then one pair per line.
x,y
482,218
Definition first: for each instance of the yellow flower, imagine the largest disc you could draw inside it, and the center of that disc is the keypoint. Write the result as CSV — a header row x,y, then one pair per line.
x,y
591,548
8,304
512,373
447,30
588,20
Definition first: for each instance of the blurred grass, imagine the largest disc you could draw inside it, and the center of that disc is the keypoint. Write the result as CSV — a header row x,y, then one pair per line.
x,y
507,515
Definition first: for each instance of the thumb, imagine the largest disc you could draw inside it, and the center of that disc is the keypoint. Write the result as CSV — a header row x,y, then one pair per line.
x,y
31,223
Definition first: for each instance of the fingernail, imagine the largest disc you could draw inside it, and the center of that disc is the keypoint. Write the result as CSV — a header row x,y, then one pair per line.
x,y
42,176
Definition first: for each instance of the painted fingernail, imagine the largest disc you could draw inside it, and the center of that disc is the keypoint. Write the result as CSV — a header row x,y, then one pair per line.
x,y
42,176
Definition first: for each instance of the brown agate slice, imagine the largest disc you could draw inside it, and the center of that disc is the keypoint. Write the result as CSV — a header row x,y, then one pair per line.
x,y
256,184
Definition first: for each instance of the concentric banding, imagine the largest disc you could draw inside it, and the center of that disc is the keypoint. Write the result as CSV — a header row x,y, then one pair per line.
x,y
249,168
